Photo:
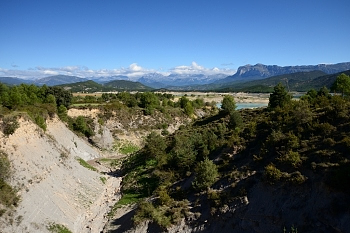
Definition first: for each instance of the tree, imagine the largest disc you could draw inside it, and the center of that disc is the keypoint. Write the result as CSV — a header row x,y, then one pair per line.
x,y
62,113
228,104
342,84
206,174
183,152
155,147
279,97
62,96
189,109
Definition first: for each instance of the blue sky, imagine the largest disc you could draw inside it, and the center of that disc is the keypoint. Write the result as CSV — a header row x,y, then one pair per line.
x,y
135,37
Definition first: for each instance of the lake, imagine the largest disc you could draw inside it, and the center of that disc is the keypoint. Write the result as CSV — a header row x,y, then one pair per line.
x,y
246,105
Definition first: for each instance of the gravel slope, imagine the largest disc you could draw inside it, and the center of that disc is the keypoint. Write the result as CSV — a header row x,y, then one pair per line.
x,y
53,186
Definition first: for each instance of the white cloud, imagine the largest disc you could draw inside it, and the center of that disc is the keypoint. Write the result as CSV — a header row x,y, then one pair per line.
x,y
135,67
133,71
194,68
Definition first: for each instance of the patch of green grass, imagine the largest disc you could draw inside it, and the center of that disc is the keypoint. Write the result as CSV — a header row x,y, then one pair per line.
x,y
126,199
103,179
86,165
125,148
58,228
128,148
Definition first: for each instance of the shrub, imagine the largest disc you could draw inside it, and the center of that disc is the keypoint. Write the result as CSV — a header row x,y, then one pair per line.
x,y
291,158
40,121
228,104
206,174
4,166
296,178
58,228
9,124
272,174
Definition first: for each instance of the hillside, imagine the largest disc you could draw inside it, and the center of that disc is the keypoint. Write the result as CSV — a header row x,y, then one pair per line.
x,y
116,85
160,163
83,87
124,85
53,187
301,81
284,168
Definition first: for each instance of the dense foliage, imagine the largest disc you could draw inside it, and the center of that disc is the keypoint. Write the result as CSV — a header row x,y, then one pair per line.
x,y
290,143
38,102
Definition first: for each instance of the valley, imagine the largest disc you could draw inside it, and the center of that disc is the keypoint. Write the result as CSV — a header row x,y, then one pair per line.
x,y
173,162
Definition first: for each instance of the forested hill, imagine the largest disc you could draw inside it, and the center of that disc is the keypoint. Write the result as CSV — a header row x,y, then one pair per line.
x,y
125,85
116,85
282,168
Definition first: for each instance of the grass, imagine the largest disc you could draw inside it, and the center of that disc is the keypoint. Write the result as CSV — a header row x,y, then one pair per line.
x,y
86,165
58,228
103,179
126,199
125,148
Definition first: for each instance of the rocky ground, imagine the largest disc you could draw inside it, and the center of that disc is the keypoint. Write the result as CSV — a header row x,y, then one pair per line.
x,y
53,186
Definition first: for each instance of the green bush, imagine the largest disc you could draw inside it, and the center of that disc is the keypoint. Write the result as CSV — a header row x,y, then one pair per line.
x,y
272,174
9,125
206,174
40,121
291,158
8,195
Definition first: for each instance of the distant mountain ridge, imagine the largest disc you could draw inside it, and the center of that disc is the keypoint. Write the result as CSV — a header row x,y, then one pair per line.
x,y
190,81
300,81
260,71
58,80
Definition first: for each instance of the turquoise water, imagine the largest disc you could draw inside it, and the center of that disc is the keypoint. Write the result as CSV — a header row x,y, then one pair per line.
x,y
250,105
246,105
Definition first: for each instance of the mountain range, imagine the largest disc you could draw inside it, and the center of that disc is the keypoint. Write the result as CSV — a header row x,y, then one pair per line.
x,y
260,71
244,74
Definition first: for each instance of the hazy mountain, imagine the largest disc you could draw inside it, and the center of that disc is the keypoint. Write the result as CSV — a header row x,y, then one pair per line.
x,y
13,81
260,71
58,80
161,81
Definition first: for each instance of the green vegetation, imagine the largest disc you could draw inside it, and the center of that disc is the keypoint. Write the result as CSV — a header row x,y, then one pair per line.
x,y
286,145
58,228
38,102
83,163
342,84
8,195
115,85
206,174
9,124
103,179
125,148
